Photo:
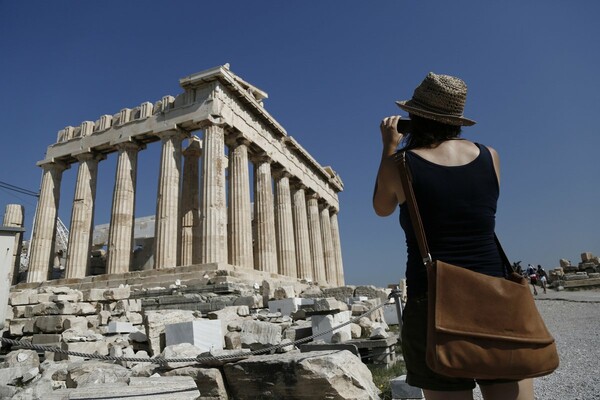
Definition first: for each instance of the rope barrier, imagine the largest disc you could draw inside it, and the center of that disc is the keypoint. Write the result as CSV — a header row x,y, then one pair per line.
x,y
199,359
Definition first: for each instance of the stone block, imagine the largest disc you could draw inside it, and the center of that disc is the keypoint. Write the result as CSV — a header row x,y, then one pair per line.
x,y
204,334
322,323
120,327
50,324
19,312
288,306
233,341
284,292
72,322
93,295
339,293
327,374
257,334
21,297
16,326
586,257
155,322
47,339
98,347
84,308
402,390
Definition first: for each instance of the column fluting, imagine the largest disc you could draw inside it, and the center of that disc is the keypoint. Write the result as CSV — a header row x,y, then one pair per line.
x,y
44,233
82,217
213,214
299,212
190,204
337,248
316,243
284,226
264,218
14,215
122,217
167,221
328,253
240,211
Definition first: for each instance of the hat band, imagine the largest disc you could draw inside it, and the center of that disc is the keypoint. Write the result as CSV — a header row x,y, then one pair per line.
x,y
432,109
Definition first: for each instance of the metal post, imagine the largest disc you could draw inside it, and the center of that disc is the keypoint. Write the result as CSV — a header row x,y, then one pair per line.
x,y
395,294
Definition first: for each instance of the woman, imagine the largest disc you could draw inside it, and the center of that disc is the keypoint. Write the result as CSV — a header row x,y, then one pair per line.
x,y
456,184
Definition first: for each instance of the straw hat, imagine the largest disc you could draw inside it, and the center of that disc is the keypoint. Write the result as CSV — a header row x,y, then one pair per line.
x,y
440,98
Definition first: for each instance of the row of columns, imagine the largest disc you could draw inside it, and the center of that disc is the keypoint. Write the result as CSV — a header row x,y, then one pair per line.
x,y
295,235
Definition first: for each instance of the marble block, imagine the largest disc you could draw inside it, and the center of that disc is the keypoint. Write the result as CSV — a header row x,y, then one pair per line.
x,y
120,327
322,323
288,306
205,334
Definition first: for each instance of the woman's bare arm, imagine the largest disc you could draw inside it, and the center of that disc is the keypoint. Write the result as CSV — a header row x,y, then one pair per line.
x,y
388,191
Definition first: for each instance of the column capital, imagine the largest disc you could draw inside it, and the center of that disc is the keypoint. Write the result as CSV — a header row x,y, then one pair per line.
x,y
280,172
260,158
179,133
310,194
236,139
58,166
296,184
130,145
89,155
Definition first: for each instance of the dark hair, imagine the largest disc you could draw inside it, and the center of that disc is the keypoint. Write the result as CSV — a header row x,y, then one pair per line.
x,y
429,133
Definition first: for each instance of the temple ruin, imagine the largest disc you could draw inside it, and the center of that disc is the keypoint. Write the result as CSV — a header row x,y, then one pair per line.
x,y
204,212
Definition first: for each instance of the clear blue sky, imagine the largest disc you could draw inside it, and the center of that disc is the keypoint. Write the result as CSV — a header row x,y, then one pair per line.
x,y
332,70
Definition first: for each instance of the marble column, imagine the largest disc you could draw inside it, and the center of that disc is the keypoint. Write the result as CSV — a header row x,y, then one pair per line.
x,y
44,233
122,217
299,212
240,212
190,204
14,215
337,248
328,253
264,218
168,222
316,239
82,217
284,225
213,207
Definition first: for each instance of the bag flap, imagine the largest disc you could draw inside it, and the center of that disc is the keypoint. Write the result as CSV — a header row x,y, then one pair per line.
x,y
477,305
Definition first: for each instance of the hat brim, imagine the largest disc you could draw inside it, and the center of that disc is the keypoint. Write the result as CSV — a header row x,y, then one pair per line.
x,y
444,118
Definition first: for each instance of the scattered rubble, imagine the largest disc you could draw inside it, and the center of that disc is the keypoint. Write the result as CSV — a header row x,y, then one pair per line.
x,y
121,322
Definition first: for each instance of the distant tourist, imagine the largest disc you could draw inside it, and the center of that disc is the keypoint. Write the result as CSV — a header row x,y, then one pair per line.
x,y
533,278
543,277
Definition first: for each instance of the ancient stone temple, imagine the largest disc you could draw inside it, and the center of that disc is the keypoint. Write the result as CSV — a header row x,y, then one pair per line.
x,y
285,222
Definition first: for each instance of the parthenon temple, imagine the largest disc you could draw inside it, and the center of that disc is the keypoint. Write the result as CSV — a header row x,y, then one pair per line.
x,y
207,210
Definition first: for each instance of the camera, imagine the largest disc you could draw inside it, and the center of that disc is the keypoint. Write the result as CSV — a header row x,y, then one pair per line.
x,y
404,126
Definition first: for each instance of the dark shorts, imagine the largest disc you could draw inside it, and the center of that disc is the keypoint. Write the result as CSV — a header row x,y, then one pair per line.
x,y
414,345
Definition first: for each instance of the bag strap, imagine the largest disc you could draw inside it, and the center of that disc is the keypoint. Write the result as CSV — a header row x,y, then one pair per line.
x,y
415,216
413,209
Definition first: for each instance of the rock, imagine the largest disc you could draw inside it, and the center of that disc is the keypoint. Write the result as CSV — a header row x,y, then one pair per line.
x,y
284,292
378,333
341,293
331,374
209,381
183,350
22,359
256,334
323,323
155,322
356,331
92,372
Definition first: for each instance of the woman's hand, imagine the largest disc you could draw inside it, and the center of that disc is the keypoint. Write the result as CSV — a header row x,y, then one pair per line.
x,y
389,134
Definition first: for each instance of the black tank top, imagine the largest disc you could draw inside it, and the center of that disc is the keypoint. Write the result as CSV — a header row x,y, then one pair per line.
x,y
458,208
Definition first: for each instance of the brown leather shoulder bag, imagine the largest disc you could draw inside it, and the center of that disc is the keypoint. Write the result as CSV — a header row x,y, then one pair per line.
x,y
479,326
